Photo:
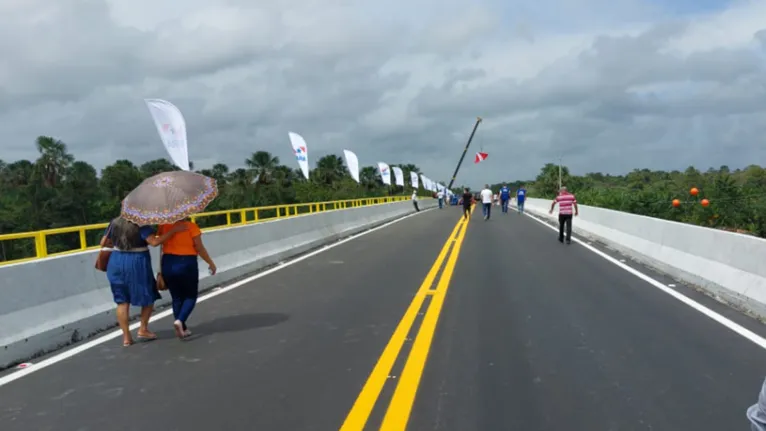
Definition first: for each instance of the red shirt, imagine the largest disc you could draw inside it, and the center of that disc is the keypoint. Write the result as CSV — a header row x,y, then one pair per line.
x,y
565,200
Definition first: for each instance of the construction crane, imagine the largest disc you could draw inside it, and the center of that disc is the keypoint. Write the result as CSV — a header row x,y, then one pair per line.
x,y
465,150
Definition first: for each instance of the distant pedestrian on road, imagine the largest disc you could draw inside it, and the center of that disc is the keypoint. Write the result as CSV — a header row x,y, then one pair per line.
x,y
415,200
505,196
486,201
440,196
566,202
521,195
467,200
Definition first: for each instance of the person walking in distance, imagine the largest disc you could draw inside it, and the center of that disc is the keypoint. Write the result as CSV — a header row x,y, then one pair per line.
x,y
486,201
467,200
440,196
521,194
566,202
505,196
415,200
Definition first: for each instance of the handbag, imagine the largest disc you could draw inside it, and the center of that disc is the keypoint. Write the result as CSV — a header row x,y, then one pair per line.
x,y
102,260
161,282
160,279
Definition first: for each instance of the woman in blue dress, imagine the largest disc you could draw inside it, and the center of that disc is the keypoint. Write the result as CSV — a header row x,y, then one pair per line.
x,y
130,273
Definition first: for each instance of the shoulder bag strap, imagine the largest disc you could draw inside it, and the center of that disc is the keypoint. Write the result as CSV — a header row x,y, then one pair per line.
x,y
109,242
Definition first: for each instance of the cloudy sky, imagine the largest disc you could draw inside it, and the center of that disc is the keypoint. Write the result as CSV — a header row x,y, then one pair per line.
x,y
609,85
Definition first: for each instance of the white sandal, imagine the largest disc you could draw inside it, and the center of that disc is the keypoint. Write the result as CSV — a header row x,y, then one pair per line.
x,y
179,327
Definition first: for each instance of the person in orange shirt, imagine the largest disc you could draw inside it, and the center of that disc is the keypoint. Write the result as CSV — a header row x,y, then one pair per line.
x,y
181,271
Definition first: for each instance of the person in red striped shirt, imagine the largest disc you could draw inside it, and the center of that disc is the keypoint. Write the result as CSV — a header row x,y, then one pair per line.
x,y
567,202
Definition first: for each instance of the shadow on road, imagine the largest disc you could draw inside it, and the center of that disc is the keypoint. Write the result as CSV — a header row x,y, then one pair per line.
x,y
232,323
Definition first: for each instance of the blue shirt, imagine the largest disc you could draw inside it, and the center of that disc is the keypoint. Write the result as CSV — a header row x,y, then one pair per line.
x,y
521,194
505,193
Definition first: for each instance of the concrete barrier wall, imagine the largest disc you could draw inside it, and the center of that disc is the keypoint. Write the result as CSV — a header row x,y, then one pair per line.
x,y
726,264
49,303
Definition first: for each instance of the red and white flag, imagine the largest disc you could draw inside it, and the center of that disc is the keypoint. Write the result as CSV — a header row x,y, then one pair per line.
x,y
479,157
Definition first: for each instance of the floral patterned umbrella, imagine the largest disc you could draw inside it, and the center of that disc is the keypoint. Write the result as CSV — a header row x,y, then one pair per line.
x,y
169,197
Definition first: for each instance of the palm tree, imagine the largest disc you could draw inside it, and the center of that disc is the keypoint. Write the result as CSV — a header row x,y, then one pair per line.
x,y
368,177
154,167
54,159
220,170
18,174
239,182
284,175
409,167
261,166
330,169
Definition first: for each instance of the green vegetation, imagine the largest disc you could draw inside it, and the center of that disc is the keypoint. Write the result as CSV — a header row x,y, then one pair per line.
x,y
737,199
56,190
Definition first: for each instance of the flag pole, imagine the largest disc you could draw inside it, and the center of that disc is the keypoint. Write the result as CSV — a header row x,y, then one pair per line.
x,y
465,150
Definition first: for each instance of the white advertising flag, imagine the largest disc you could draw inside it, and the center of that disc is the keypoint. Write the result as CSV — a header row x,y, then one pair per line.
x,y
301,152
414,179
399,176
385,173
353,164
172,129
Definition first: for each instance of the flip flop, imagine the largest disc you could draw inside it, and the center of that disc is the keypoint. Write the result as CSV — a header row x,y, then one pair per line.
x,y
128,344
147,337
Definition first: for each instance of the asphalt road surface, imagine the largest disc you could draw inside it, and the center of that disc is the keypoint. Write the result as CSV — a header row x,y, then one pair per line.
x,y
428,324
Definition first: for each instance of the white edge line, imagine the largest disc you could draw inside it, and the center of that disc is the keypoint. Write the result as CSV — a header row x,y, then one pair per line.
x,y
104,338
739,329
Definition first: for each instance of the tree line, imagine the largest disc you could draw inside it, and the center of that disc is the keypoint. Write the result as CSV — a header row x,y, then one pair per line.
x,y
56,190
737,199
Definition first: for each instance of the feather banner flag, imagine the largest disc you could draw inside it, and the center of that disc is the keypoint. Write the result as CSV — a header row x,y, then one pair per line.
x,y
398,176
414,179
385,173
172,129
300,149
353,164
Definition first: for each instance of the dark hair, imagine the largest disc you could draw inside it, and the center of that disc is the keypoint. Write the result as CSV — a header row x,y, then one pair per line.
x,y
125,234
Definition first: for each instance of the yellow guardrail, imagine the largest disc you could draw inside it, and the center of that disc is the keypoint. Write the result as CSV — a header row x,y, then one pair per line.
x,y
78,238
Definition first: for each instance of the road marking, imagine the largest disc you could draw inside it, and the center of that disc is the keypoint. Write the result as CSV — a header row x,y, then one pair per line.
x,y
399,409
218,291
368,397
730,324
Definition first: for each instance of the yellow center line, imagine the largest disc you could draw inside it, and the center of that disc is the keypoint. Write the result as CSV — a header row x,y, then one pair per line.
x,y
360,412
399,409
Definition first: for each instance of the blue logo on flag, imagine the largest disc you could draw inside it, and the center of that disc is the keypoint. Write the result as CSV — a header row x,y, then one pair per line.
x,y
300,154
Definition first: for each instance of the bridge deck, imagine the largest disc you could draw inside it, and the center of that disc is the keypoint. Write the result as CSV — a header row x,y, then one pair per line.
x,y
533,335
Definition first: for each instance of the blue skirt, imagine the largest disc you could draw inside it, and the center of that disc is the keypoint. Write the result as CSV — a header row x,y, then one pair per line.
x,y
132,279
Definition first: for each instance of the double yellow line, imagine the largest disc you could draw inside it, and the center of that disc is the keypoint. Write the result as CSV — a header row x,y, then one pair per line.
x,y
400,407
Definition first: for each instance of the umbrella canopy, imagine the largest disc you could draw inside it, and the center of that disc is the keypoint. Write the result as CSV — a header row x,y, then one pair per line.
x,y
169,197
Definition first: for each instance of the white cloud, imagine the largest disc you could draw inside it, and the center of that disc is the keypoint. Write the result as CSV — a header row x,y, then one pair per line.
x,y
611,86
